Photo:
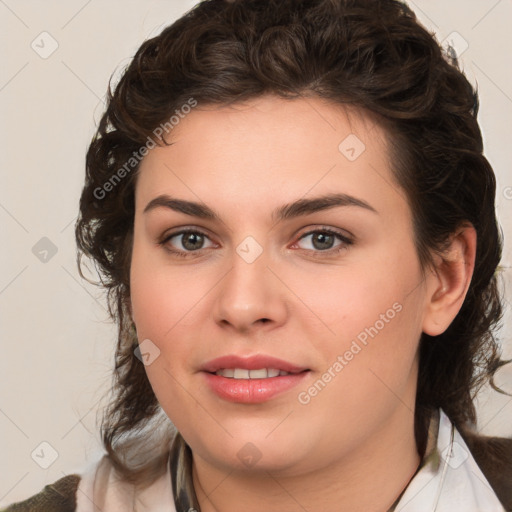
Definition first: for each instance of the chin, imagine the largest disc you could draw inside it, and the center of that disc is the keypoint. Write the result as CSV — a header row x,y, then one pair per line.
x,y
252,454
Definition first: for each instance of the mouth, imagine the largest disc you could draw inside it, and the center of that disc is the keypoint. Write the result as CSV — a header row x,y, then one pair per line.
x,y
253,379
243,373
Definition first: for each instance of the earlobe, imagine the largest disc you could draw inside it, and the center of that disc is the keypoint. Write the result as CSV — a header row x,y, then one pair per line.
x,y
449,281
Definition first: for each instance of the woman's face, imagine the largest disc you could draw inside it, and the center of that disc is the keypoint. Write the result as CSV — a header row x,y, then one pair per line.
x,y
301,259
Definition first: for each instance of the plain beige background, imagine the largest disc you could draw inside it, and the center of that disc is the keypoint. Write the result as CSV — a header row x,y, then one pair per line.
x,y
57,341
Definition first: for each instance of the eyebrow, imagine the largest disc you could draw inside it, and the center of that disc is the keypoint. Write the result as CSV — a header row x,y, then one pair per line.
x,y
298,208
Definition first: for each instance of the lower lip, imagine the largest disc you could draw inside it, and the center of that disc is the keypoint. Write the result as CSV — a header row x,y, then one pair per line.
x,y
252,391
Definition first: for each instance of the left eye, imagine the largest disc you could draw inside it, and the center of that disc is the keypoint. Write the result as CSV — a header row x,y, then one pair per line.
x,y
323,240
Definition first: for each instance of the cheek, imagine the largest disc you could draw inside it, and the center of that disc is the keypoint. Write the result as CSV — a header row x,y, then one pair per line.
x,y
160,304
378,292
161,296
370,317
369,364
165,303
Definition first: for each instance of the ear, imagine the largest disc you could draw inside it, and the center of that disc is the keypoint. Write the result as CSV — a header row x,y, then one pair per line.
x,y
448,283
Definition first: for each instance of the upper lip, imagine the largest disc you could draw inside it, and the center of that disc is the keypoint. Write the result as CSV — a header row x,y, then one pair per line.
x,y
254,362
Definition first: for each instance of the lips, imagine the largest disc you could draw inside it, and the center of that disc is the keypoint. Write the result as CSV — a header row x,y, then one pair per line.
x,y
253,379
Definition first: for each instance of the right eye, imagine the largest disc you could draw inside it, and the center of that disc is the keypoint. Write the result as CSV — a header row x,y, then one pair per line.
x,y
190,240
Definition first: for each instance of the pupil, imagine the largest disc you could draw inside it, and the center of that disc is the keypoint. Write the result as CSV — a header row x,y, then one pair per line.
x,y
190,238
323,239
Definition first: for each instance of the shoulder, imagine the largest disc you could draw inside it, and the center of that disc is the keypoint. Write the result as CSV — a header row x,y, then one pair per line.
x,y
494,457
64,495
57,497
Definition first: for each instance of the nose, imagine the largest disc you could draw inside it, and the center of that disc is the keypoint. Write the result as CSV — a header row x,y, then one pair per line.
x,y
250,297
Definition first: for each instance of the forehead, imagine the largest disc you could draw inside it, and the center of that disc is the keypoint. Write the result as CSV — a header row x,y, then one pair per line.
x,y
270,150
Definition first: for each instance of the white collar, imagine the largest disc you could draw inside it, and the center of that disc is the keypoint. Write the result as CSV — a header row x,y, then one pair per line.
x,y
100,490
450,479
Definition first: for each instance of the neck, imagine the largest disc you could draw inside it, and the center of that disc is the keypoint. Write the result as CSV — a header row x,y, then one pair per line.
x,y
370,477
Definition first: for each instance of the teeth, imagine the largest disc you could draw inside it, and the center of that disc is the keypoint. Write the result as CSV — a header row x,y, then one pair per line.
x,y
241,373
258,374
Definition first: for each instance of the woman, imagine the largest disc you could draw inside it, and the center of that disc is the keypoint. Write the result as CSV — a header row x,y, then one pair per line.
x,y
289,206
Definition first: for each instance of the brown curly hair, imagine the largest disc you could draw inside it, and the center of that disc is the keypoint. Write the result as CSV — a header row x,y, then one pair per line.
x,y
371,54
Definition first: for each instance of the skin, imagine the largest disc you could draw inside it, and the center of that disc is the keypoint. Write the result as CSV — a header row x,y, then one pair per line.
x,y
352,446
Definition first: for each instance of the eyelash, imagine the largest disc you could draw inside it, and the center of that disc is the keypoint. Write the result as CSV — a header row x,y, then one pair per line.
x,y
329,252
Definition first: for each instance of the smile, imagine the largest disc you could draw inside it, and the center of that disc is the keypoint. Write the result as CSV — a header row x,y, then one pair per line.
x,y
242,373
252,379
